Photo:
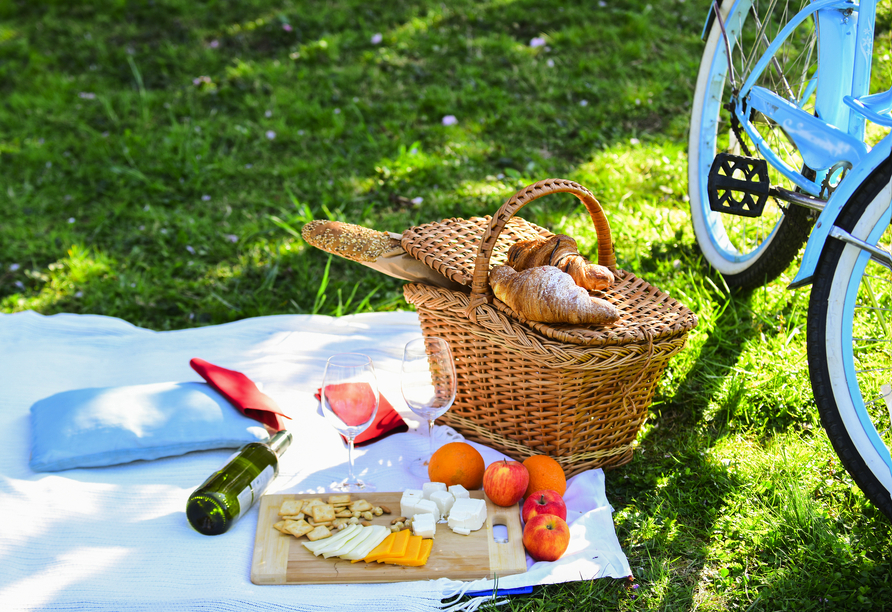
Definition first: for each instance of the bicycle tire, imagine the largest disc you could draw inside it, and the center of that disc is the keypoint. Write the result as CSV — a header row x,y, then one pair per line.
x,y
845,334
748,253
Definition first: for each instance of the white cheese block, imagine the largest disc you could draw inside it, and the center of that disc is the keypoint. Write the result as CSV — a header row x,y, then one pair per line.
x,y
467,514
444,501
426,506
459,492
424,525
461,531
432,487
408,500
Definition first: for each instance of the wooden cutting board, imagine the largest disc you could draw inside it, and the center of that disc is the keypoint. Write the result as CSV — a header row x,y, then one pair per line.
x,y
282,559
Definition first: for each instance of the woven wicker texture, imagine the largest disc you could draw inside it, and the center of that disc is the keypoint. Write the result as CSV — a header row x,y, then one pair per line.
x,y
450,246
453,246
577,394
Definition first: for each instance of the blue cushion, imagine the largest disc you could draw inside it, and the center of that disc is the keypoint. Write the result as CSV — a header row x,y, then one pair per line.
x,y
112,425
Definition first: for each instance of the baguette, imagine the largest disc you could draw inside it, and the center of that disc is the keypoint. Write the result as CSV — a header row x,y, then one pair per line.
x,y
380,251
353,242
561,252
548,295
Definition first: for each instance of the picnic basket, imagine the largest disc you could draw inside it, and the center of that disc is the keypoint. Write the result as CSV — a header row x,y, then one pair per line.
x,y
577,394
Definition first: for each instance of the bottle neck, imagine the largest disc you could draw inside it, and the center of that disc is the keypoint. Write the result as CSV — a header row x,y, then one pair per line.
x,y
280,442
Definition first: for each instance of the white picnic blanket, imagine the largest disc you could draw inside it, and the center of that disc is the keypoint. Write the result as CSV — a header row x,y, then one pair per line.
x,y
116,538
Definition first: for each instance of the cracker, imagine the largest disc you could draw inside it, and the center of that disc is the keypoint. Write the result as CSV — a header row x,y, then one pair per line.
x,y
293,517
318,533
360,505
309,503
322,513
339,500
290,507
280,526
343,514
298,528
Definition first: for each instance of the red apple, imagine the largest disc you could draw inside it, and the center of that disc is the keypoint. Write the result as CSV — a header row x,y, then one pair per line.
x,y
546,537
545,501
505,482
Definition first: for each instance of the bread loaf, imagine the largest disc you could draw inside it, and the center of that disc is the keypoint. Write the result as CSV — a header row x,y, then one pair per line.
x,y
561,252
548,295
349,241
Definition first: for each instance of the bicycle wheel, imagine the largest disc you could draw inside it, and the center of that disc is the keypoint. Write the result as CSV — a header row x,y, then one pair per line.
x,y
750,252
849,339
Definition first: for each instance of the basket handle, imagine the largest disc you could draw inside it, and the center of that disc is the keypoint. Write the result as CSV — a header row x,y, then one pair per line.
x,y
480,290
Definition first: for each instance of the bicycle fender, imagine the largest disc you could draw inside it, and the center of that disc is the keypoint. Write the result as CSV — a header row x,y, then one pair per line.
x,y
710,17
815,245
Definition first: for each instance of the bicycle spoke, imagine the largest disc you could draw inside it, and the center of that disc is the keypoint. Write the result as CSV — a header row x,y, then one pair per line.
x,y
774,63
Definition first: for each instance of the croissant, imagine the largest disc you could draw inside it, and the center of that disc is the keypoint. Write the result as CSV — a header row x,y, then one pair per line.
x,y
549,295
561,252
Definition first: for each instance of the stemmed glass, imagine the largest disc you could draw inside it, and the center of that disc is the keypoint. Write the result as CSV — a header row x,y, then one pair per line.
x,y
428,383
349,399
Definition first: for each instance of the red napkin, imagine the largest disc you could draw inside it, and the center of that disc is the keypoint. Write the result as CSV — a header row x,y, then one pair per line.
x,y
387,420
242,392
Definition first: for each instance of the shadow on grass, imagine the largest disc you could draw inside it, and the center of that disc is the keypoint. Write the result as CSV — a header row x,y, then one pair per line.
x,y
670,496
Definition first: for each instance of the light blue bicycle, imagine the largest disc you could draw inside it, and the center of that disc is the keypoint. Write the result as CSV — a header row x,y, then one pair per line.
x,y
789,147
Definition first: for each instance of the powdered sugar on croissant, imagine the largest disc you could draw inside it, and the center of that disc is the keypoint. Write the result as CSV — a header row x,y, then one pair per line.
x,y
548,295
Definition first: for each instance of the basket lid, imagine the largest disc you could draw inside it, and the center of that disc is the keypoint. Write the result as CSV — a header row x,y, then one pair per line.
x,y
450,246
464,250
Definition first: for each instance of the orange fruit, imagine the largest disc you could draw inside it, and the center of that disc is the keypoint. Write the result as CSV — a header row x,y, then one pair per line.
x,y
545,473
457,463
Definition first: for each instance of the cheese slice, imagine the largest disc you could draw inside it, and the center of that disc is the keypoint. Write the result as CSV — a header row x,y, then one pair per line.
x,y
398,546
381,549
376,536
360,537
423,554
319,546
413,550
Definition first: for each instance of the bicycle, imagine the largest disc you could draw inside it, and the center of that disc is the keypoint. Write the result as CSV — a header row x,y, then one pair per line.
x,y
778,158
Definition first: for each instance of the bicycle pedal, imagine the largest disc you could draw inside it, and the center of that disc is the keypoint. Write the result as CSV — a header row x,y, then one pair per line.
x,y
738,185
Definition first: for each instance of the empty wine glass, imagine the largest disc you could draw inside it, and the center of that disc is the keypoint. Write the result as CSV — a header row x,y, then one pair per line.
x,y
428,383
349,399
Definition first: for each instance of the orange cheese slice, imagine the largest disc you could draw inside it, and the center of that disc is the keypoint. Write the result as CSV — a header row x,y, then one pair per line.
x,y
392,546
397,548
413,549
423,554
381,549
419,551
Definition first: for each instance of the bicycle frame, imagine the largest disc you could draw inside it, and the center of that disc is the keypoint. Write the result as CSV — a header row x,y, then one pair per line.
x,y
835,136
833,139
825,223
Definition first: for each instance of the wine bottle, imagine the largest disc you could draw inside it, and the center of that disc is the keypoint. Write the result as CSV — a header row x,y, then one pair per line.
x,y
230,492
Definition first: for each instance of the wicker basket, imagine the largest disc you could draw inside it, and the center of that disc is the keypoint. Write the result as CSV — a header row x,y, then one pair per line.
x,y
577,394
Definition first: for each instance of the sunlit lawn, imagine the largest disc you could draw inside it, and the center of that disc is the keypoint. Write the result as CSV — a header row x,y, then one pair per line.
x,y
158,159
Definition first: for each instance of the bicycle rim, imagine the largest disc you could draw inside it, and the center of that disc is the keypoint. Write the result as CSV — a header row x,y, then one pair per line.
x,y
736,245
850,343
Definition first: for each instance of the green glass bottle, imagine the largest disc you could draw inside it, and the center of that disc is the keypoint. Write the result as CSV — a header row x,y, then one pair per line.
x,y
228,493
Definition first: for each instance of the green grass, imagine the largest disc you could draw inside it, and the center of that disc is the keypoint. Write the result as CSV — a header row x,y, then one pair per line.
x,y
158,159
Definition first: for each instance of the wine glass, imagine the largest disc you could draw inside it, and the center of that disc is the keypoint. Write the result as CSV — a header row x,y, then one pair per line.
x,y
428,383
349,399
